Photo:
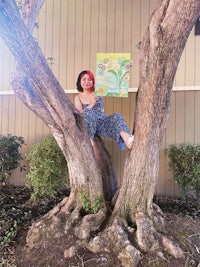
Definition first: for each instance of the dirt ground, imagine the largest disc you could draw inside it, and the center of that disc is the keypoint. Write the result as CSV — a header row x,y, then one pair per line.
x,y
183,226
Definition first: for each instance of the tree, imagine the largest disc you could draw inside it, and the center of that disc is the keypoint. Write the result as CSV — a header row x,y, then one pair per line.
x,y
37,87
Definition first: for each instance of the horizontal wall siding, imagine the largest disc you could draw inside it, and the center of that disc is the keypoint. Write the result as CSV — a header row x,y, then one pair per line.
x,y
70,33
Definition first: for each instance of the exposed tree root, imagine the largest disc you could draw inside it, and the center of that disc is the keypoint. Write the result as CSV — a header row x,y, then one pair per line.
x,y
147,236
67,215
172,248
158,218
54,223
90,224
125,241
115,238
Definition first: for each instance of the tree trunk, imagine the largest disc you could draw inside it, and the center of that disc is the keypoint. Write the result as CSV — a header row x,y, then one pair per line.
x,y
134,213
35,84
41,92
160,52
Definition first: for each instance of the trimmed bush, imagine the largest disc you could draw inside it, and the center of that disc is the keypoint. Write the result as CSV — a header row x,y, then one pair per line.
x,y
48,168
185,166
10,156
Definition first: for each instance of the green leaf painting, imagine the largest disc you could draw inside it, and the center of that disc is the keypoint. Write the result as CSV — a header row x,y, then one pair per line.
x,y
112,74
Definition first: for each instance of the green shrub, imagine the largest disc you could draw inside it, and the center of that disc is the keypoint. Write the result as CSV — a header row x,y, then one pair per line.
x,y
9,235
185,166
88,207
10,156
48,168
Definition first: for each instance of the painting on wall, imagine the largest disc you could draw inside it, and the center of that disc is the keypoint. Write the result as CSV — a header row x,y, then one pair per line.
x,y
112,74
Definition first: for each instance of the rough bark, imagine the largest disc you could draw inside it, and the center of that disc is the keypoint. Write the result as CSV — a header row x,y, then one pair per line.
x,y
161,49
134,214
90,169
160,52
35,84
39,89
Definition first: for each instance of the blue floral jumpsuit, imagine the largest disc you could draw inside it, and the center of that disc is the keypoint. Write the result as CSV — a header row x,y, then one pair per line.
x,y
98,123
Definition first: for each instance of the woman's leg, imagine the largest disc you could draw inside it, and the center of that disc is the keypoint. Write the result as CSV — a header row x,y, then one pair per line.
x,y
125,136
128,139
90,122
114,126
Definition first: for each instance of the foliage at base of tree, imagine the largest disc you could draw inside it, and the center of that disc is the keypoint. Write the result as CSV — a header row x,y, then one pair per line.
x,y
48,168
10,156
185,166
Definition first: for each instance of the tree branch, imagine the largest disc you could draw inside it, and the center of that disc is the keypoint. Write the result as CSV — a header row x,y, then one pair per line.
x,y
30,12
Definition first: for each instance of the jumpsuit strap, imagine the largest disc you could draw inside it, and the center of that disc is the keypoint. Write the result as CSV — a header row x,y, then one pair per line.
x,y
80,100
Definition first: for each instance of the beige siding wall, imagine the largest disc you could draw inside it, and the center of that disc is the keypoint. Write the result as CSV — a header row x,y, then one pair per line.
x,y
70,33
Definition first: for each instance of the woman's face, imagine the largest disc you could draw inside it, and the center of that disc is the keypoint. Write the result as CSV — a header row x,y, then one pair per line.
x,y
86,82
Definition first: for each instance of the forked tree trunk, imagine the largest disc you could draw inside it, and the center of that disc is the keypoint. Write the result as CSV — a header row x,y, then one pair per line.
x,y
39,90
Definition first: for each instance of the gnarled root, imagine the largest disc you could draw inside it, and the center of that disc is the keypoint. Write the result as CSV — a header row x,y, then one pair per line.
x,y
115,239
158,218
118,237
147,237
150,233
127,243
53,224
90,224
66,216
172,248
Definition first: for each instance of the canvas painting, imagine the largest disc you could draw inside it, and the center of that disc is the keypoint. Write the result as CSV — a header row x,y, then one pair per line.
x,y
112,74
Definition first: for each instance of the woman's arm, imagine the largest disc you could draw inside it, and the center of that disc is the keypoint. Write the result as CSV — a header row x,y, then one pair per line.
x,y
79,105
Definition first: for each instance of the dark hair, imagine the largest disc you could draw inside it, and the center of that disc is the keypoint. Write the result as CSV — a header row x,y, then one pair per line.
x,y
78,83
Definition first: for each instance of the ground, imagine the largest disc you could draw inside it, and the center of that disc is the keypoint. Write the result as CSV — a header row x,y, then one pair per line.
x,y
17,214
